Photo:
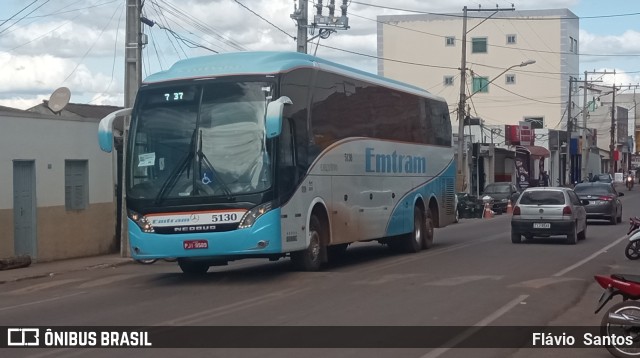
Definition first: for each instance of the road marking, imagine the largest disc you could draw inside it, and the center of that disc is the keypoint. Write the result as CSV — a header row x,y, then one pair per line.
x,y
41,301
542,282
589,258
482,323
108,280
43,286
230,308
461,280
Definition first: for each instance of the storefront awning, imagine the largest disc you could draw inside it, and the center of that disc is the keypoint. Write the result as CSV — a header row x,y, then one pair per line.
x,y
534,150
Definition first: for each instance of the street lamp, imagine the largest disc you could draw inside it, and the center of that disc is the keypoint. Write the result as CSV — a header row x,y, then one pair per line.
x,y
525,63
463,98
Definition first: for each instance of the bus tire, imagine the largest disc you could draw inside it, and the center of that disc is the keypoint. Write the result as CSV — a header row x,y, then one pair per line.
x,y
310,259
427,238
193,267
415,241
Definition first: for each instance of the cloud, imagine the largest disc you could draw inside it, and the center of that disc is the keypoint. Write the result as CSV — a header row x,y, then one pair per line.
x,y
627,43
23,77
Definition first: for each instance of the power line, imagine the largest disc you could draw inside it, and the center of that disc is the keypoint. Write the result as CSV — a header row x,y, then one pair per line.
x,y
22,18
499,18
91,47
265,20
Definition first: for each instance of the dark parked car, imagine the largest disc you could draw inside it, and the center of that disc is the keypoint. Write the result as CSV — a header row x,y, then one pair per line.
x,y
602,178
501,193
604,201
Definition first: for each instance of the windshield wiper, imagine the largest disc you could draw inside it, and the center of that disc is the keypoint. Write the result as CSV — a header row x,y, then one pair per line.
x,y
216,176
170,182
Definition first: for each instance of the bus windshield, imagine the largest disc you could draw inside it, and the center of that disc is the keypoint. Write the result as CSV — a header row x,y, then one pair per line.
x,y
203,140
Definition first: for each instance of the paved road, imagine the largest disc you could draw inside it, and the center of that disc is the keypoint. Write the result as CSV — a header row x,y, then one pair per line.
x,y
472,276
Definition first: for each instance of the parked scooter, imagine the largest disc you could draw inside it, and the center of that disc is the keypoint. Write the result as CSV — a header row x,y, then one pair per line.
x,y
632,251
629,182
623,318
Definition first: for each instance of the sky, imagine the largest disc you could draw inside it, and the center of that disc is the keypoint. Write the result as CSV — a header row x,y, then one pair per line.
x,y
47,44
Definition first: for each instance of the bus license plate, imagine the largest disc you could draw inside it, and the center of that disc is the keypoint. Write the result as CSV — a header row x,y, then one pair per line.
x,y
542,225
195,244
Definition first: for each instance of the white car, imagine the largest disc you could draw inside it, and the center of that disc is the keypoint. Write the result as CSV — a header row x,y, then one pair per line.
x,y
549,211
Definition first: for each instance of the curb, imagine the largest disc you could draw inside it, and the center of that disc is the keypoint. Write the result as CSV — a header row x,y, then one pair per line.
x,y
75,269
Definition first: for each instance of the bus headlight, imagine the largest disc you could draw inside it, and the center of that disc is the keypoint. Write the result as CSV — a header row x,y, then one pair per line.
x,y
141,221
252,215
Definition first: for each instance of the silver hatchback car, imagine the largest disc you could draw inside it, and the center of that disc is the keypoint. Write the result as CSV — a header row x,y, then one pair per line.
x,y
549,211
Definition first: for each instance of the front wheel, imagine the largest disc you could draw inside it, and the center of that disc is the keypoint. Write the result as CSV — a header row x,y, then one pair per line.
x,y
193,267
310,259
629,331
632,251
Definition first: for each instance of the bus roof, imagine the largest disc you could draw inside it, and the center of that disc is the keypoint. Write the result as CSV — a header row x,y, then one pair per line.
x,y
266,62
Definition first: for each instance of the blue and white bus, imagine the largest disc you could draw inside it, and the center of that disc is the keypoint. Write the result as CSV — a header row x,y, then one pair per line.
x,y
277,154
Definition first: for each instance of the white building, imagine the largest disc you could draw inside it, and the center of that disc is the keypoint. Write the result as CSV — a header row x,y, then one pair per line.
x,y
57,187
425,50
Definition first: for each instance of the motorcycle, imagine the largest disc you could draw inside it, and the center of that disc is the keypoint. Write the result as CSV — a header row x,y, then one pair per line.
x,y
629,182
623,318
632,251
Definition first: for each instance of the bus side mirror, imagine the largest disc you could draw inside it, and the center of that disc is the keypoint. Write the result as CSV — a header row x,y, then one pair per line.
x,y
105,129
273,118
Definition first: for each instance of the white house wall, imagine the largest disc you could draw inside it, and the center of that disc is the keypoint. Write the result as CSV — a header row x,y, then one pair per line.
x,y
49,141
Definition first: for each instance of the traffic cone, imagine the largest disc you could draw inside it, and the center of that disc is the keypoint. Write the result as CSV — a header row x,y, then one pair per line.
x,y
488,213
509,208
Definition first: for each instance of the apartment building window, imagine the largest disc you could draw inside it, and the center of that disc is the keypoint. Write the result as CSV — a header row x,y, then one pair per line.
x,y
573,45
450,41
510,79
76,184
479,45
511,39
481,84
448,80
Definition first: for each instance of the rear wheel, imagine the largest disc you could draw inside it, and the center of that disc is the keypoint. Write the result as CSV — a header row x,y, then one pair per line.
x,y
515,237
413,243
583,234
427,239
572,236
629,331
619,220
613,219
310,259
193,267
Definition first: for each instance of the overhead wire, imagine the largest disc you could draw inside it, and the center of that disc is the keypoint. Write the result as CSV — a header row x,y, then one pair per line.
x,y
90,47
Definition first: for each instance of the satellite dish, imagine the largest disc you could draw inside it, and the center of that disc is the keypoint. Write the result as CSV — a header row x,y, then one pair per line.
x,y
59,99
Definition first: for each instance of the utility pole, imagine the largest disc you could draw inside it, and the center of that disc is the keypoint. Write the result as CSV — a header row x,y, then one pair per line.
x,y
567,159
586,146
326,24
463,94
133,78
300,14
612,163
460,172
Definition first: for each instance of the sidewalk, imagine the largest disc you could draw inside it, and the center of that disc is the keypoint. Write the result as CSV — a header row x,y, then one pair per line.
x,y
44,269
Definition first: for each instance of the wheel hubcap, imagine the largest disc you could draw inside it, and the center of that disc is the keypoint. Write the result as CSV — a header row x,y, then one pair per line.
x,y
315,245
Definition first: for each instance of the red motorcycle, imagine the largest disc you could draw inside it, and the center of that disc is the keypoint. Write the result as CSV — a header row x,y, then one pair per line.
x,y
623,318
